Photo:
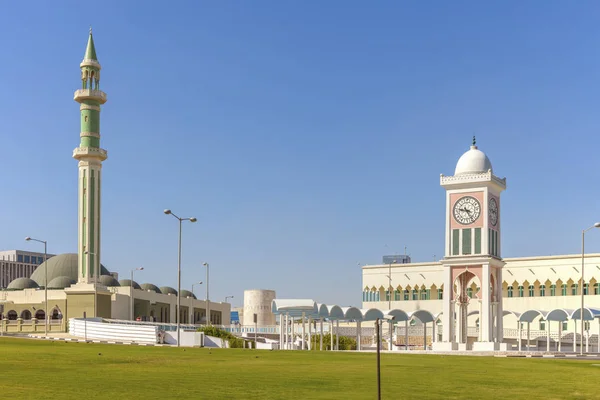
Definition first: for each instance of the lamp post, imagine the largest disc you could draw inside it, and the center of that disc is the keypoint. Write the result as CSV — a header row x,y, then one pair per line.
x,y
378,330
596,225
207,299
191,219
228,297
45,280
390,285
131,290
95,287
192,302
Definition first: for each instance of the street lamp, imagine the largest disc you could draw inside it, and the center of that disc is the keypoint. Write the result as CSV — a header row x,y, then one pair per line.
x,y
596,225
95,288
390,285
228,297
131,291
192,302
378,330
207,299
45,280
191,219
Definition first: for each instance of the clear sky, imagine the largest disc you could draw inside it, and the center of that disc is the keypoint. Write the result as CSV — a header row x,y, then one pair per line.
x,y
306,137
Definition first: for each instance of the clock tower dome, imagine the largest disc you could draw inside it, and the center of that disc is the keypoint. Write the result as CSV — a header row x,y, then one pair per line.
x,y
472,252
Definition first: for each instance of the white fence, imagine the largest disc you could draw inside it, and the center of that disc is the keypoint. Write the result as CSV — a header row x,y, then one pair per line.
x,y
94,328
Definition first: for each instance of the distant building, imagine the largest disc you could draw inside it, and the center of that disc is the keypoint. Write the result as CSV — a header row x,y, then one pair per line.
x,y
403,259
18,264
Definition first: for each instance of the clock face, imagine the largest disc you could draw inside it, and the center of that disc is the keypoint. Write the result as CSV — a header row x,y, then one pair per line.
x,y
467,210
493,211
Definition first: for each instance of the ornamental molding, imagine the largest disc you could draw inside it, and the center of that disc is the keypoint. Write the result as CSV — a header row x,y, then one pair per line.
x,y
472,178
82,153
89,107
90,63
90,134
91,94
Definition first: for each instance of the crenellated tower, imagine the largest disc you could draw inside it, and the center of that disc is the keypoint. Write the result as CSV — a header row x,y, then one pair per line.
x,y
90,157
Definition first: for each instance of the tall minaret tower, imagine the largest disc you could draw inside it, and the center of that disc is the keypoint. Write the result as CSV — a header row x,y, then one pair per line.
x,y
90,157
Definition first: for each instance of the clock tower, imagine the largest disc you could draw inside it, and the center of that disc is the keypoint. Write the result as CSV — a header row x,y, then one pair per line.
x,y
472,254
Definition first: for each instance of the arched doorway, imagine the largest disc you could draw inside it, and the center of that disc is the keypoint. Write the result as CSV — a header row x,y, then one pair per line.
x,y
40,314
26,315
12,315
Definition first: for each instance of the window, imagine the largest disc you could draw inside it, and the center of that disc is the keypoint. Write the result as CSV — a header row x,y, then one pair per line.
x,y
563,289
387,295
11,315
552,290
396,295
574,289
40,260
510,291
427,294
470,292
455,241
415,294
586,288
531,289
27,260
423,295
477,240
521,291
19,258
40,314
26,314
376,296
596,288
466,241
565,325
542,291
542,325
406,294
440,294
587,325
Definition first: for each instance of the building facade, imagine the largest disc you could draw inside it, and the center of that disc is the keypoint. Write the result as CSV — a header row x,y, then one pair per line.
x,y
16,264
472,255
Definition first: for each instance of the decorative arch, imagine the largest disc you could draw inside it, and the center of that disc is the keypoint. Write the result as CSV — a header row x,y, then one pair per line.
x,y
12,315
26,314
40,314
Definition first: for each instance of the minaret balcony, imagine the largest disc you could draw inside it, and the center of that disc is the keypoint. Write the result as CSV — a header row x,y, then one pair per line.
x,y
90,94
90,152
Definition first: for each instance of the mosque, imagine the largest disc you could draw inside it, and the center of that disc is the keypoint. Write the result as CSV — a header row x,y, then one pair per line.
x,y
71,285
491,297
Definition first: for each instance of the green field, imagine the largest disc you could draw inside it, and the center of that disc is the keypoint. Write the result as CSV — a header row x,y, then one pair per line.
x,y
59,370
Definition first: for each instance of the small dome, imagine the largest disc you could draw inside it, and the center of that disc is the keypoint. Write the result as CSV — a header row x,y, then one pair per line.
x,y
61,265
473,161
108,280
60,282
127,282
151,287
168,290
187,293
22,283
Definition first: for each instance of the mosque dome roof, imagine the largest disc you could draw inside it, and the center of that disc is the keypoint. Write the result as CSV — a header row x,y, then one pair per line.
x,y
22,283
187,293
150,286
168,290
127,282
474,161
60,282
108,280
60,265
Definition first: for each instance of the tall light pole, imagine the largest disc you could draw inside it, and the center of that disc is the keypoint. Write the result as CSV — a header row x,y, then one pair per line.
x,y
596,225
95,286
131,291
390,285
228,297
207,299
192,302
45,280
191,219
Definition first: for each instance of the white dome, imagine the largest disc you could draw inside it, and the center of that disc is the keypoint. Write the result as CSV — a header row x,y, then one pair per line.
x,y
473,161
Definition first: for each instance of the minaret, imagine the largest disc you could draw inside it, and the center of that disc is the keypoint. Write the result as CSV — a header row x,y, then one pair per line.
x,y
90,157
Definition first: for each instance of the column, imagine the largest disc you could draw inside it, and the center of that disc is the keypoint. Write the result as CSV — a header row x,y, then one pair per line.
x,y
309,333
528,326
424,336
485,318
499,307
331,335
548,336
358,335
560,325
448,310
433,338
280,331
337,334
406,335
321,335
519,335
302,344
391,327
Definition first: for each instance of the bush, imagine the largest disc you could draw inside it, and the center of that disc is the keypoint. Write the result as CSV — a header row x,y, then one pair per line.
x,y
346,343
234,341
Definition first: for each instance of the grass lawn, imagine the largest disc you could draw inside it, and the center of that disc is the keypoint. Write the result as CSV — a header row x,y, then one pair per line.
x,y
58,370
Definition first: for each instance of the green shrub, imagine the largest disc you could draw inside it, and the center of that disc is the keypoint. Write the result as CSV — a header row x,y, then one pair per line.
x,y
346,343
234,341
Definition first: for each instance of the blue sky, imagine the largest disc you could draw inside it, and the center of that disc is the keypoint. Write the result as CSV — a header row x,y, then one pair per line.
x,y
306,137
